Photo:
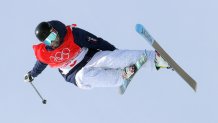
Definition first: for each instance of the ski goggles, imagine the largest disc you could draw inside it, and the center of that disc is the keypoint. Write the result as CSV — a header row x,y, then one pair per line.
x,y
51,37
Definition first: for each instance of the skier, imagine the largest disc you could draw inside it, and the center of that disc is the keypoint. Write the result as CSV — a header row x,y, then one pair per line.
x,y
84,59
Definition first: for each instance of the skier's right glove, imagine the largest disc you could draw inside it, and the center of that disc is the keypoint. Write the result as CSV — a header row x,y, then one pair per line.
x,y
28,77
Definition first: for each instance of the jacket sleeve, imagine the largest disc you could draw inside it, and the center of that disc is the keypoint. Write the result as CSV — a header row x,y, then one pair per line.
x,y
86,39
38,68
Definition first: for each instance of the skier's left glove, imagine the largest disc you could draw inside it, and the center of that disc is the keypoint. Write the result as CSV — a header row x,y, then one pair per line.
x,y
28,77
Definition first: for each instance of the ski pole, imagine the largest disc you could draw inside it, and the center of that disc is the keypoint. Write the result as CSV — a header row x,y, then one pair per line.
x,y
43,100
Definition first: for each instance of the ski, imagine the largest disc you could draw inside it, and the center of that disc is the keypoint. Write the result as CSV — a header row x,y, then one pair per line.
x,y
140,62
144,33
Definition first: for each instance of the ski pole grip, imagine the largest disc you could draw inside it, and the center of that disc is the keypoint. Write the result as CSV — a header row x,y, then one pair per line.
x,y
144,33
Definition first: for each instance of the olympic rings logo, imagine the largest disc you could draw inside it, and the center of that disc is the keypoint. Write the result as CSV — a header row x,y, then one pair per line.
x,y
61,56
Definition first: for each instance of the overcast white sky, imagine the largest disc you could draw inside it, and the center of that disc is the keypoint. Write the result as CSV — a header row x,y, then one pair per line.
x,y
186,29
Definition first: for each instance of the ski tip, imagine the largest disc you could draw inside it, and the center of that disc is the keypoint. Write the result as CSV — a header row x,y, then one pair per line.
x,y
139,28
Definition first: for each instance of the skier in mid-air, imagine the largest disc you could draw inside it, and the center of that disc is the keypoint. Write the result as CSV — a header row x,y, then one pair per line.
x,y
84,59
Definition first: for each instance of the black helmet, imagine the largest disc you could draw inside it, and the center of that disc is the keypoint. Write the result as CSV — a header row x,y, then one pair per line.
x,y
43,30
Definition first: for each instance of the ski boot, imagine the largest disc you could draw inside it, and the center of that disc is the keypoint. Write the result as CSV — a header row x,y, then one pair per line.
x,y
160,62
128,72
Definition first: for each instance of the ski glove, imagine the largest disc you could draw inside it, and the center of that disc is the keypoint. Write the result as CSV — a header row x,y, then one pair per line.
x,y
28,77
